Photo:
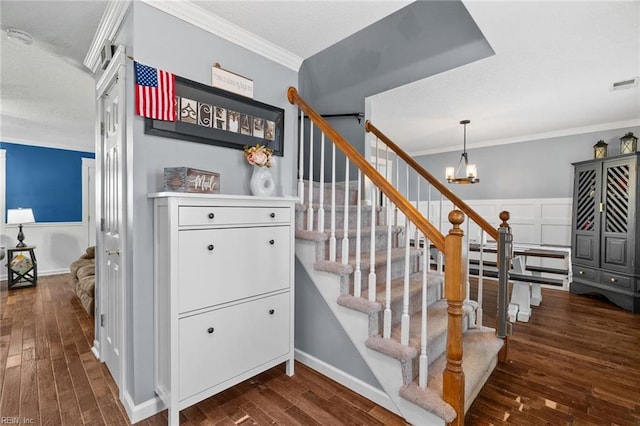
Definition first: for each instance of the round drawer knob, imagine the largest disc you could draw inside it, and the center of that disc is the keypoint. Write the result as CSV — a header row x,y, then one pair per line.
x,y
272,311
581,272
211,215
272,242
210,247
272,215
210,330
613,280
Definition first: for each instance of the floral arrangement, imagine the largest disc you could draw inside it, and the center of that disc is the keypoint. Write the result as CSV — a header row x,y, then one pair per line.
x,y
259,155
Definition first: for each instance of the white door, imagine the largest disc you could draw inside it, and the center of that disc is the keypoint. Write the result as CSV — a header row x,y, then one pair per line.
x,y
112,213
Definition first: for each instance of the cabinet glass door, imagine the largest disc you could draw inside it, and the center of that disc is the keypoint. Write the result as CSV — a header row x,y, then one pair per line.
x,y
618,176
586,214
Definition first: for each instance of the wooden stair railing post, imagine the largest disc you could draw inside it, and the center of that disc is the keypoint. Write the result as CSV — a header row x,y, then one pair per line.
x,y
505,250
455,289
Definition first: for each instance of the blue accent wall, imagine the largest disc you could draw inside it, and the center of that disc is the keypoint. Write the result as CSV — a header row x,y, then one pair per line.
x,y
48,180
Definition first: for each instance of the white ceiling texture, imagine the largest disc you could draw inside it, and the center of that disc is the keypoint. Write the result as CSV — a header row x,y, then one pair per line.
x,y
551,75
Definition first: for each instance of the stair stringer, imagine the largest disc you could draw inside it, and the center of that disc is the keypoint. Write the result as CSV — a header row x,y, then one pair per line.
x,y
386,370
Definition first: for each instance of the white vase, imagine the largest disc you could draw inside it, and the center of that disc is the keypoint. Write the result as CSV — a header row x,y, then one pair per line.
x,y
261,182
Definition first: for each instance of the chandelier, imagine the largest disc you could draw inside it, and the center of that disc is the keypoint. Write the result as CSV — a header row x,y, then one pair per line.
x,y
471,171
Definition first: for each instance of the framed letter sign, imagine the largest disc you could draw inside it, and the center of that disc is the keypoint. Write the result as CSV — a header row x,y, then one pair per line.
x,y
216,117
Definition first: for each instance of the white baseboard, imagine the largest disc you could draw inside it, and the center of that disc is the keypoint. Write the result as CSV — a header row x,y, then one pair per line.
x,y
141,411
3,277
358,386
95,349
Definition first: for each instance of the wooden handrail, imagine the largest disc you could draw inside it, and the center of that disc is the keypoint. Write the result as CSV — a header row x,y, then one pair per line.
x,y
429,231
466,209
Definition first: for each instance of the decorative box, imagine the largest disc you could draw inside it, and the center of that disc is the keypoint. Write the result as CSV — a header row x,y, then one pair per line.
x,y
186,179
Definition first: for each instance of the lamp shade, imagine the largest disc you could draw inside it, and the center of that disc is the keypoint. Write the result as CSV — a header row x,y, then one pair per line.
x,y
20,216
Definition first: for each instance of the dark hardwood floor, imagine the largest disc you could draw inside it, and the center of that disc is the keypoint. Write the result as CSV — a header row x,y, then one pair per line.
x,y
49,376
576,362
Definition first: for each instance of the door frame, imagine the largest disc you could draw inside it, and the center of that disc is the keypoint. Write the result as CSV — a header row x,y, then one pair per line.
x,y
89,199
115,70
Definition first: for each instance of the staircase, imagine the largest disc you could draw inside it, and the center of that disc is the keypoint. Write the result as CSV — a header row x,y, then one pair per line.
x,y
396,366
409,318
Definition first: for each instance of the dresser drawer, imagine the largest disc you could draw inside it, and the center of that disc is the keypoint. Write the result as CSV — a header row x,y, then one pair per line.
x,y
581,272
222,265
618,281
215,215
218,345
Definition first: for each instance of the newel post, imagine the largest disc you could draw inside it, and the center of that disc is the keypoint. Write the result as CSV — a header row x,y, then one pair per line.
x,y
505,250
455,293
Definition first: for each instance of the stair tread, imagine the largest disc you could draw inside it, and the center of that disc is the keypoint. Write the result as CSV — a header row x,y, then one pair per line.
x,y
415,285
480,350
436,326
339,233
340,268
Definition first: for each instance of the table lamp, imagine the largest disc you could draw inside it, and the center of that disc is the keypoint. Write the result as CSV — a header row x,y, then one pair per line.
x,y
20,216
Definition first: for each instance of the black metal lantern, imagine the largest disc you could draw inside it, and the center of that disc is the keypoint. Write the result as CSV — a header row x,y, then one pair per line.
x,y
628,143
600,149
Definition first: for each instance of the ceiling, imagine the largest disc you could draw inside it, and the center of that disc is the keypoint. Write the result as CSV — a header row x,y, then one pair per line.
x,y
551,75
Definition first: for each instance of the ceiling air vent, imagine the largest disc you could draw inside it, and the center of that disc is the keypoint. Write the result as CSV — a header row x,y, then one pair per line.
x,y
625,84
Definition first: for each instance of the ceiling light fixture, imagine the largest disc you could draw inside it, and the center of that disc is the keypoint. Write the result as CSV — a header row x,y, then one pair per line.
x,y
470,169
19,36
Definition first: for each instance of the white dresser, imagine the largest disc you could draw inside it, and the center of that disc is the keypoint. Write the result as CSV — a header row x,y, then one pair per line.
x,y
223,292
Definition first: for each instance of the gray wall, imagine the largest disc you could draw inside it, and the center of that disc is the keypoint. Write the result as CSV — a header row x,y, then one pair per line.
x,y
318,332
534,169
422,39
165,42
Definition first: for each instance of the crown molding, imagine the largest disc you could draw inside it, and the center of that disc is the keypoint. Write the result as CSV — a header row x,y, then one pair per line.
x,y
195,15
107,29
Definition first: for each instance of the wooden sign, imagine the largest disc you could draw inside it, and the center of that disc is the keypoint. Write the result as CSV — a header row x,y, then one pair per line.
x,y
186,179
231,82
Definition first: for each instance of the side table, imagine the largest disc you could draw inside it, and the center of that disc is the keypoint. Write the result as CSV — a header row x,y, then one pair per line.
x,y
26,276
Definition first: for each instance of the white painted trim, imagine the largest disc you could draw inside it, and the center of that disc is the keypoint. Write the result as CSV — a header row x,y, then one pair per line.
x,y
138,412
87,164
536,136
3,180
195,15
358,386
107,29
95,349
46,144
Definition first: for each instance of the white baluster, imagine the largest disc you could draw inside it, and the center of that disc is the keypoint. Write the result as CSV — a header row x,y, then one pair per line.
x,y
372,251
332,235
386,330
440,266
468,243
345,237
416,237
321,207
310,206
357,274
301,165
395,216
424,363
404,331
479,311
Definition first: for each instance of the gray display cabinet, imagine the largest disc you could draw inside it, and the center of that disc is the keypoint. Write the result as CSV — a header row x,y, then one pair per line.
x,y
605,242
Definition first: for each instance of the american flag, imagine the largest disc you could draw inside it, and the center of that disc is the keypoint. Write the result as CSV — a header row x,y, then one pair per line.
x,y
155,93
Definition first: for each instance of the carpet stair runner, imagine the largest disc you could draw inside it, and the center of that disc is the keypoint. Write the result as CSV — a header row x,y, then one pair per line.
x,y
481,346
